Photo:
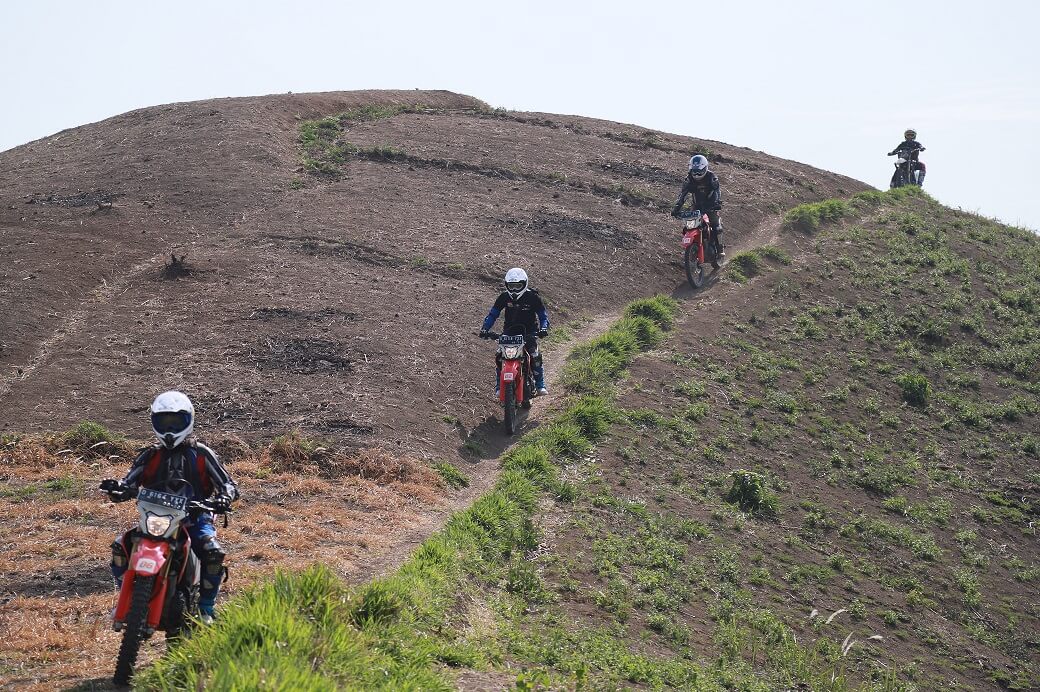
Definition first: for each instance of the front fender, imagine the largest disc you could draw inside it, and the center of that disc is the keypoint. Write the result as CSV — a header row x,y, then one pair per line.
x,y
510,373
148,559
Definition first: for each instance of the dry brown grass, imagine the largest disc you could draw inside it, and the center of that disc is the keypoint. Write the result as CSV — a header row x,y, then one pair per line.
x,y
301,504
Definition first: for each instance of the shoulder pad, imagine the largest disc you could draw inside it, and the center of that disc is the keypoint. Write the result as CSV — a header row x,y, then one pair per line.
x,y
205,450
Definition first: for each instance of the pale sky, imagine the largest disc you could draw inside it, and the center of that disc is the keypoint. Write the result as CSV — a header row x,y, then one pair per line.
x,y
832,84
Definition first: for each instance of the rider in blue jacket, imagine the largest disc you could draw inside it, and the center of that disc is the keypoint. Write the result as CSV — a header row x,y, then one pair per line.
x,y
524,314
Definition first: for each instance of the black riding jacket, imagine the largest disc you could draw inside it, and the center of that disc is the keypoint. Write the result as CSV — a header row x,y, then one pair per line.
x,y
193,461
706,193
910,146
527,312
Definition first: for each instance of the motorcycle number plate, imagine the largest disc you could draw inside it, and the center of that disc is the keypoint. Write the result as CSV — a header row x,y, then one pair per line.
x,y
145,566
508,377
155,497
686,241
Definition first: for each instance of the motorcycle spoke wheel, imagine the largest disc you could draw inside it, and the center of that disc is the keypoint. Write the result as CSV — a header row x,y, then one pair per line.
x,y
694,269
134,630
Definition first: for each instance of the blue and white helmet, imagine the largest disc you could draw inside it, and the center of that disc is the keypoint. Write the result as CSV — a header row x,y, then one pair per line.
x,y
698,166
173,418
516,282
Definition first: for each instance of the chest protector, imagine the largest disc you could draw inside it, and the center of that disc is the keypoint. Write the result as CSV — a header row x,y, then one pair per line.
x,y
194,465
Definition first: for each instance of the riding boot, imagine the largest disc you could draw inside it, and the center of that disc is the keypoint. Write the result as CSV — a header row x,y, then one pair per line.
x,y
539,379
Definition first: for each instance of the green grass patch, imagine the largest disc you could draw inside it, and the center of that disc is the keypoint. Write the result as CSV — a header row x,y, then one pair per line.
x,y
809,217
451,475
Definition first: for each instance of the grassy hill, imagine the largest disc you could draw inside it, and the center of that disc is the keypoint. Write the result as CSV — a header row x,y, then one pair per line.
x,y
828,480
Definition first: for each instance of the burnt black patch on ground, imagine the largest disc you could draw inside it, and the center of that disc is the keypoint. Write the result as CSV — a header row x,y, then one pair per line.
x,y
301,356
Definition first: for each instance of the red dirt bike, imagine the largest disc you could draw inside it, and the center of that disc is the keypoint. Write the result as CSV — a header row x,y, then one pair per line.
x,y
160,588
697,247
516,379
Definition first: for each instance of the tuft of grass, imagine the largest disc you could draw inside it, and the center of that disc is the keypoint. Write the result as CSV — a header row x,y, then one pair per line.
x,y
916,389
88,437
750,491
660,309
450,474
809,217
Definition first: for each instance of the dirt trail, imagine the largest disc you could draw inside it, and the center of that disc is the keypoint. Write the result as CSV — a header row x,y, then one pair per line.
x,y
484,475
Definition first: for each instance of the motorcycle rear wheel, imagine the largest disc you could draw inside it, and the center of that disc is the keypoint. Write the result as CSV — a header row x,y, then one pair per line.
x,y
694,269
134,629
509,416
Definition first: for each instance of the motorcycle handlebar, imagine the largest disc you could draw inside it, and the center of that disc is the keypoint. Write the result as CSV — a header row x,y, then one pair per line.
x,y
111,486
496,335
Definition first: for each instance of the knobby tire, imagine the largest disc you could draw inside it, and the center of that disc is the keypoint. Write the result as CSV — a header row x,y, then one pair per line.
x,y
694,271
510,409
133,629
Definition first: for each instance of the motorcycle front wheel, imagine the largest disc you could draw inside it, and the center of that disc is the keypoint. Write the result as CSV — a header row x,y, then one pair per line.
x,y
509,416
694,269
134,630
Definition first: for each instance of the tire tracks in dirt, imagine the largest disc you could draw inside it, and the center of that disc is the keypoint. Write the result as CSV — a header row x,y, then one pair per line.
x,y
74,321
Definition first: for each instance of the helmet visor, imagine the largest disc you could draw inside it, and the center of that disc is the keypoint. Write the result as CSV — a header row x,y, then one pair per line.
x,y
171,422
515,286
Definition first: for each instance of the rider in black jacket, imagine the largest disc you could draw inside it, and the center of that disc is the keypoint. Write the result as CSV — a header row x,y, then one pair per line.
x,y
524,314
912,148
704,186
178,457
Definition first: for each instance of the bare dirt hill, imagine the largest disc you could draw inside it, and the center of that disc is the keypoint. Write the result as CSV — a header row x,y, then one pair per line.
x,y
345,308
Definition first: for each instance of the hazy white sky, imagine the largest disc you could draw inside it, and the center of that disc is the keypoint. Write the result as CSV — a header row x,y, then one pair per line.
x,y
833,84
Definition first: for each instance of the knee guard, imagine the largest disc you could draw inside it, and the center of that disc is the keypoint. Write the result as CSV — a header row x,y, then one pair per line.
x,y
120,557
536,359
212,558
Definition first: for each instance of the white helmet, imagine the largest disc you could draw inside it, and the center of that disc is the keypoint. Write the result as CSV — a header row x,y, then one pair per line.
x,y
173,417
516,282
698,166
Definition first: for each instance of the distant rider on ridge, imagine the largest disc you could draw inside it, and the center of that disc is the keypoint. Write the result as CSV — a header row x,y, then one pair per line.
x,y
704,186
912,148
526,315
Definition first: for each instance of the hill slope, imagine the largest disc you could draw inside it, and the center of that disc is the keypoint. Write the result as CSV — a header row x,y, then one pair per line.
x,y
826,480
341,248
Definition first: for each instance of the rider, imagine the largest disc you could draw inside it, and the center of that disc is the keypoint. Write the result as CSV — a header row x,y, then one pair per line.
x,y
912,148
526,314
704,186
177,457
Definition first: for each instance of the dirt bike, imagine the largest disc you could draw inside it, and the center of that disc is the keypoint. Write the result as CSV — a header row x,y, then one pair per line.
x,y
516,377
696,249
909,171
160,589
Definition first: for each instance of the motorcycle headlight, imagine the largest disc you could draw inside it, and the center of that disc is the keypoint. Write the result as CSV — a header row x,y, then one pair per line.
x,y
157,524
512,352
